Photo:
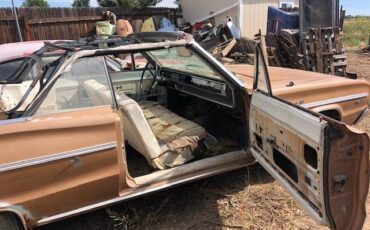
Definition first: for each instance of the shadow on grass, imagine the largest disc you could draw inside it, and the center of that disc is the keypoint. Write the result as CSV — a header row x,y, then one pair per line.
x,y
190,206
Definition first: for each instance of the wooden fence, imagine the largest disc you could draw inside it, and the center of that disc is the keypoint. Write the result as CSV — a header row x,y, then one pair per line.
x,y
66,23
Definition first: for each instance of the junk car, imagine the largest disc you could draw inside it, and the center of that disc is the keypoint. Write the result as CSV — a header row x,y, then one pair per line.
x,y
99,123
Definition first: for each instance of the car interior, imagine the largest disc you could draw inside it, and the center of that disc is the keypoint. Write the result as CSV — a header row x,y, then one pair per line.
x,y
175,107
172,113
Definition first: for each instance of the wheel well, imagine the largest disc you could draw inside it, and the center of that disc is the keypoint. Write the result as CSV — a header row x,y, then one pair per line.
x,y
332,113
16,216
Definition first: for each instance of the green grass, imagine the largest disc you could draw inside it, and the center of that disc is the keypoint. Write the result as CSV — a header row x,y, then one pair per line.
x,y
356,31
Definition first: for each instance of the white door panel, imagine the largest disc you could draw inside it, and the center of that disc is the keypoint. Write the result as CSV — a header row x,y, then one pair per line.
x,y
278,135
322,163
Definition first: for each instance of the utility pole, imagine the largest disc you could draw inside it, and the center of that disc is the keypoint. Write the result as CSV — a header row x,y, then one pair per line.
x,y
17,22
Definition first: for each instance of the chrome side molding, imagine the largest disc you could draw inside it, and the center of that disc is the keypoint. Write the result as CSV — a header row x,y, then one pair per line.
x,y
335,100
57,156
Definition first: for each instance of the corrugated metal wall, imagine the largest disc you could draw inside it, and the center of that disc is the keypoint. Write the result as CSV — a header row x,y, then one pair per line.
x,y
195,10
294,2
255,16
233,13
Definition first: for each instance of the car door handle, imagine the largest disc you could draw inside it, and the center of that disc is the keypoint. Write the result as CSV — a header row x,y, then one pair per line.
x,y
271,140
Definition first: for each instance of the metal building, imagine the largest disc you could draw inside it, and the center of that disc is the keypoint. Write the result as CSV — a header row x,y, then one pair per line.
x,y
249,15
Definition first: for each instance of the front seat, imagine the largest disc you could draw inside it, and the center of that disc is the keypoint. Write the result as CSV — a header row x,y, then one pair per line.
x,y
165,139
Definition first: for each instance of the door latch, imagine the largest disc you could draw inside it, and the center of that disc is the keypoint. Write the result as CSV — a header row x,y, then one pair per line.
x,y
339,182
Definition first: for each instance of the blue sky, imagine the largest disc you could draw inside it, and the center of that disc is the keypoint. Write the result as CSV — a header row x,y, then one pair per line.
x,y
353,7
356,7
67,3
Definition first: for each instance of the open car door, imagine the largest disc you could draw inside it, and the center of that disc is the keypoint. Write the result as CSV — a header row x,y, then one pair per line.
x,y
322,163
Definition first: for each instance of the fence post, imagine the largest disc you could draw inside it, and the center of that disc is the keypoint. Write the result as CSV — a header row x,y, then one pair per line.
x,y
175,17
27,29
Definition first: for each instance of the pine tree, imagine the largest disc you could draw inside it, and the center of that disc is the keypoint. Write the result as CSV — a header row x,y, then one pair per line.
x,y
130,4
81,3
107,3
35,3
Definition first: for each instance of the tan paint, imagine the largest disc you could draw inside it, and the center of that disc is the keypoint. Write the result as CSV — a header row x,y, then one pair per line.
x,y
61,186
347,158
311,87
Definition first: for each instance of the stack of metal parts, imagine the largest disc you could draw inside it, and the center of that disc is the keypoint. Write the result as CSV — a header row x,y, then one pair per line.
x,y
235,51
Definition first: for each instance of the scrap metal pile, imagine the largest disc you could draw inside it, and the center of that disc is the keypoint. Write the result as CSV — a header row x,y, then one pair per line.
x,y
223,41
311,39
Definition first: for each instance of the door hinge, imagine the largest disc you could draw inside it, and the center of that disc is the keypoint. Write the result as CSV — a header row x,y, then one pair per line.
x,y
339,182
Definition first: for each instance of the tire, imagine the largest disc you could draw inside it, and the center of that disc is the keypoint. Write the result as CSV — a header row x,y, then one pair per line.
x,y
9,221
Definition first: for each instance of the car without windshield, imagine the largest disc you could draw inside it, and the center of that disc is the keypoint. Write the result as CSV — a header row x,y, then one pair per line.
x,y
84,127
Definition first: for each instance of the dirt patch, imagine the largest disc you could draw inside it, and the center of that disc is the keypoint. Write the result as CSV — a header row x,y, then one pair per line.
x,y
359,62
244,199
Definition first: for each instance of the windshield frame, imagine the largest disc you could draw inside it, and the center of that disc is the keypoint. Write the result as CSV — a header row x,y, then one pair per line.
x,y
218,76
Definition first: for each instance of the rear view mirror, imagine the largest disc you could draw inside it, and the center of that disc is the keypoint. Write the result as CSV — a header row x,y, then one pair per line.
x,y
183,52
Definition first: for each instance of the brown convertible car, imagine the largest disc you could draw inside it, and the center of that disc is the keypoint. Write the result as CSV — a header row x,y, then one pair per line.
x,y
100,122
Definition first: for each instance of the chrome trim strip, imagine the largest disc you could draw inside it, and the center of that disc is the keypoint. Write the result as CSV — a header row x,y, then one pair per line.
x,y
335,100
57,157
362,116
15,120
231,167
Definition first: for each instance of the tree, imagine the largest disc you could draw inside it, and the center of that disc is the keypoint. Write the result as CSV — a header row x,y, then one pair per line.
x,y
178,3
128,4
35,3
81,3
107,3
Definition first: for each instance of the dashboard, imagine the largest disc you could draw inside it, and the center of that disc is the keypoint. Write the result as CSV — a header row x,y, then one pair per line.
x,y
208,89
213,90
128,83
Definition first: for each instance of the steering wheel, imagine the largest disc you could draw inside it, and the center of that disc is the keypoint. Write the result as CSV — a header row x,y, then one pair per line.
x,y
154,75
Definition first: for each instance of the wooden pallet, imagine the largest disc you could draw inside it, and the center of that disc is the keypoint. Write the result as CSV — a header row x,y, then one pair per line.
x,y
283,51
323,51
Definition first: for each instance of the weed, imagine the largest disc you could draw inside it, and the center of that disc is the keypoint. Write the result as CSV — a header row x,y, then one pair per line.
x,y
356,32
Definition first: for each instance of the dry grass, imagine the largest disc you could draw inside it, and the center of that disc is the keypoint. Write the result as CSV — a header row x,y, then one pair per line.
x,y
244,199
356,32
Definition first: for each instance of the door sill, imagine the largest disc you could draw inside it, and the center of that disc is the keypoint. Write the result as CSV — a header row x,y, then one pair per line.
x,y
197,169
